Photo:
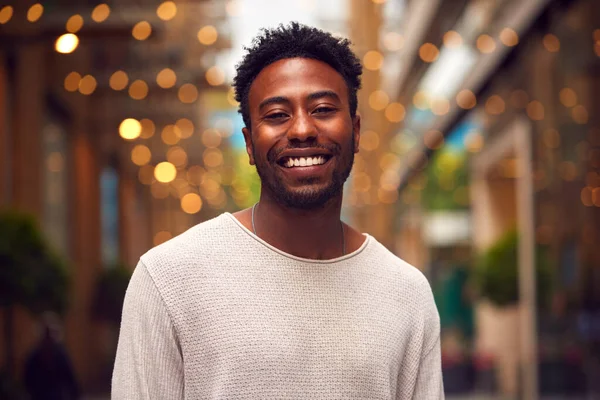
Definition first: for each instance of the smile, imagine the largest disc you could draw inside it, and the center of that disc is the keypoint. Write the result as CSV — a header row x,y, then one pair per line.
x,y
293,162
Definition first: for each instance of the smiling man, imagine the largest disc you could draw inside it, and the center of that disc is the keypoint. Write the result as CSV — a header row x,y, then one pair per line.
x,y
283,300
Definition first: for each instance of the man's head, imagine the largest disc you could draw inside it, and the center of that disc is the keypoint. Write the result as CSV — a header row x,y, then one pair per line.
x,y
297,88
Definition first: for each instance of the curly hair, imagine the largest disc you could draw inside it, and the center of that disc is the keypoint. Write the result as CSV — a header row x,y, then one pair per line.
x,y
296,40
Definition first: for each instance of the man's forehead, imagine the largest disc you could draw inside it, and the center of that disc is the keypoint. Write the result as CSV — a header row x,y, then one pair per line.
x,y
296,76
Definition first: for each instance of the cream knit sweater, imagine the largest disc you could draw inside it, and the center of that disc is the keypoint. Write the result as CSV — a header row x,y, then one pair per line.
x,y
217,313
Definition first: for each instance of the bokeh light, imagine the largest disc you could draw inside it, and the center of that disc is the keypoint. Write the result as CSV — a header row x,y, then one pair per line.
x,y
378,100
466,99
74,23
166,78
72,81
100,13
138,89
215,76
551,43
66,43
452,39
142,30
191,203
373,60
167,10
141,155
130,129
148,128
395,112
35,12
429,52
208,35
486,44
87,85
188,93
165,172
6,14
118,80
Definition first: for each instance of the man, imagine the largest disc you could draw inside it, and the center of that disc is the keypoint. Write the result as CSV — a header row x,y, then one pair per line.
x,y
283,300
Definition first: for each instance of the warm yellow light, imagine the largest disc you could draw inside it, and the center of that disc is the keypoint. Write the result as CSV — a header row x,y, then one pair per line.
x,y
66,43
395,112
509,37
212,158
535,110
188,93
169,135
421,100
146,174
211,138
141,30
177,156
215,76
87,85
166,78
580,115
167,10
194,174
147,128
130,129
440,106
568,97
373,60
393,41
162,237
191,203
378,100
486,44
141,155
72,81
495,105
74,23
429,52
165,172
6,14
186,128
466,99
208,35
118,80
369,140
35,12
551,43
596,197
100,13
378,1
231,97
138,89
452,39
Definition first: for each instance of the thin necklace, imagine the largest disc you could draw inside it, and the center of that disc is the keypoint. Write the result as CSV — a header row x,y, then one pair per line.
x,y
341,225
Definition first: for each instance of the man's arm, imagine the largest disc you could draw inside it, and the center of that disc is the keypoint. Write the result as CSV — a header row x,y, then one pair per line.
x,y
149,363
430,384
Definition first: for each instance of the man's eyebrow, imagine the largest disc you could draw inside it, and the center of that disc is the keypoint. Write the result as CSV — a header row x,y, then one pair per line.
x,y
323,93
273,100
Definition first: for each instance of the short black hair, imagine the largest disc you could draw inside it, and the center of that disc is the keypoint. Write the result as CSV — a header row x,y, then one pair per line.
x,y
296,40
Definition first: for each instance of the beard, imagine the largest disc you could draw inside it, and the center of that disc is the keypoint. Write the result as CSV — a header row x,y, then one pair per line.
x,y
309,196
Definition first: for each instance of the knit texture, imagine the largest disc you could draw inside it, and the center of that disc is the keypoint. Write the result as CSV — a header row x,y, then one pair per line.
x,y
218,313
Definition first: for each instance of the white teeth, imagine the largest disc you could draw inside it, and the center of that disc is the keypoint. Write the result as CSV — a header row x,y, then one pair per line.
x,y
304,161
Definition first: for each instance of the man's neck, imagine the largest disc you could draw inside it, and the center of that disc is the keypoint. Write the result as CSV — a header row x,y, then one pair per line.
x,y
313,234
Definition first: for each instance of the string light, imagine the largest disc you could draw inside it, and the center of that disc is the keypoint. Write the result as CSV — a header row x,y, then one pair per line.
x,y
208,35
100,13
167,10
166,78
130,129
118,80
165,172
6,14
35,12
66,43
74,23
87,85
141,30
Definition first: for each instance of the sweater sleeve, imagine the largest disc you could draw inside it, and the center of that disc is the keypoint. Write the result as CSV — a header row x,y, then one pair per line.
x,y
429,384
148,364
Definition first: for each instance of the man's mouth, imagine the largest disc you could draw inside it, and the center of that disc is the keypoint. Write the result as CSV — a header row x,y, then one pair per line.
x,y
293,162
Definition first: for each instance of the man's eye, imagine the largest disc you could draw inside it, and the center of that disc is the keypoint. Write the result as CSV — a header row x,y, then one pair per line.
x,y
278,115
324,110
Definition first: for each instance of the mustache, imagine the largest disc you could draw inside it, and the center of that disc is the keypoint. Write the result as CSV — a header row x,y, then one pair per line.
x,y
274,154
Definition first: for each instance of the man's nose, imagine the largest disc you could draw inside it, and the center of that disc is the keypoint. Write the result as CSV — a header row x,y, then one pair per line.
x,y
302,128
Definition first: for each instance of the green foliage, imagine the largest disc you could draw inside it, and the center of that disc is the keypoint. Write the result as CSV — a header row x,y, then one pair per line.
x,y
110,293
446,173
31,273
496,274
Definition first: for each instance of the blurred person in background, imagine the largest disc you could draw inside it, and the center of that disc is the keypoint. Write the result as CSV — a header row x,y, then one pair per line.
x,y
283,299
49,374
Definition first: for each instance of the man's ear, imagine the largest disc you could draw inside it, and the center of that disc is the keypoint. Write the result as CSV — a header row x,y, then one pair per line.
x,y
248,139
356,130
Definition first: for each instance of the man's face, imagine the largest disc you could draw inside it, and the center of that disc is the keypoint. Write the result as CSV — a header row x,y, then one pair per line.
x,y
302,138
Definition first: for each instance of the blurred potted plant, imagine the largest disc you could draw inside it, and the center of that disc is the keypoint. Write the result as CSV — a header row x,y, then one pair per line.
x,y
496,282
107,307
31,274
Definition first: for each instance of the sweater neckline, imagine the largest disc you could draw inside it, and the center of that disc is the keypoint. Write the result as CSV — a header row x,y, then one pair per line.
x,y
269,246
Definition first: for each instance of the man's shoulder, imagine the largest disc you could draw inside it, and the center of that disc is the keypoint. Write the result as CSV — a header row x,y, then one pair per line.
x,y
407,273
187,251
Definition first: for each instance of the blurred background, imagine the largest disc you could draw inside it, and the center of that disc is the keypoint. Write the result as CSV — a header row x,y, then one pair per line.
x,y
479,164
